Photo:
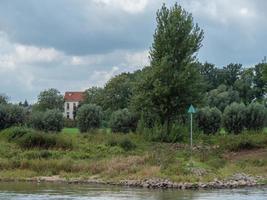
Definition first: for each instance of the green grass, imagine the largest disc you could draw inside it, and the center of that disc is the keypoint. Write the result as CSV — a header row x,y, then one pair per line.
x,y
109,156
70,130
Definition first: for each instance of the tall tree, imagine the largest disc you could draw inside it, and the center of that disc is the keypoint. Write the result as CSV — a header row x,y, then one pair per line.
x,y
173,80
50,99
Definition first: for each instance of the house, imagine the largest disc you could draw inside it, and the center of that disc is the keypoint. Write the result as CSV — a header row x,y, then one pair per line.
x,y
72,102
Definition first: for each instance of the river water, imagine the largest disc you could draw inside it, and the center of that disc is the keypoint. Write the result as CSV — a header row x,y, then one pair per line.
x,y
44,191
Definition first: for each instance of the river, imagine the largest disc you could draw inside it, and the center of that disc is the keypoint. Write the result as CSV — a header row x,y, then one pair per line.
x,y
45,191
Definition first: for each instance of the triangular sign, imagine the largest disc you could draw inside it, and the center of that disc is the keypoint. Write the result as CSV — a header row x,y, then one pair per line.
x,y
191,109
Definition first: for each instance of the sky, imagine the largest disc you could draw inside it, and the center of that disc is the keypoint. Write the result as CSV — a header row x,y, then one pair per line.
x,y
72,45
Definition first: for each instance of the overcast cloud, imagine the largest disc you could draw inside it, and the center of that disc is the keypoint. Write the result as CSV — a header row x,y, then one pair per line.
x,y
75,44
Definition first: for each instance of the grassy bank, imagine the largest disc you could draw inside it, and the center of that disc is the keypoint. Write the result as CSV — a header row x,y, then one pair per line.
x,y
106,156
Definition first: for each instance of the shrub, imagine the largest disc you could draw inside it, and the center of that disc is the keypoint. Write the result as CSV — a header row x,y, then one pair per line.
x,y
50,120
53,120
14,133
209,120
123,121
256,115
11,115
36,120
244,141
46,141
89,117
234,118
125,143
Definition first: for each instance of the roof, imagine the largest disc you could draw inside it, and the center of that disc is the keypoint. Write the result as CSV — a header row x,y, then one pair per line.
x,y
74,96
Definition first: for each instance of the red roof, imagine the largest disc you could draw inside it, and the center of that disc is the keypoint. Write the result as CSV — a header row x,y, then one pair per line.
x,y
74,96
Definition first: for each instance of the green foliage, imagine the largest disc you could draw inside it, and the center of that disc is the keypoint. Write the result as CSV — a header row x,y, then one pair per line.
x,y
46,141
50,99
256,116
123,121
94,95
89,117
221,97
231,73
118,92
209,120
11,115
125,143
50,120
244,141
36,120
244,86
53,120
178,133
234,118
173,81
260,83
14,133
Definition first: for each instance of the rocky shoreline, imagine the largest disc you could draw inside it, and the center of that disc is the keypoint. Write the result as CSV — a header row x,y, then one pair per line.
x,y
236,181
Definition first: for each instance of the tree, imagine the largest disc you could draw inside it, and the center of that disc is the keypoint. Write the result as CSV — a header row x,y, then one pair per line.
x,y
123,121
259,81
234,118
211,75
209,120
89,117
118,92
256,116
50,99
94,95
3,99
231,73
244,86
221,97
173,81
11,115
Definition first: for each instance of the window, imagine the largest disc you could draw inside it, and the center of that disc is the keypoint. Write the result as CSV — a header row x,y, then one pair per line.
x,y
68,115
68,106
74,106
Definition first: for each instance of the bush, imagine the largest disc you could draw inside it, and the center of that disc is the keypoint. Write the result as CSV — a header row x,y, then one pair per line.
x,y
244,141
14,133
256,115
234,117
125,143
50,120
46,141
53,120
209,120
89,117
123,121
11,115
36,120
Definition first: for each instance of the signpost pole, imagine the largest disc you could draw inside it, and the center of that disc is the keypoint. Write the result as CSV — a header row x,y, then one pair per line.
x,y
191,133
191,110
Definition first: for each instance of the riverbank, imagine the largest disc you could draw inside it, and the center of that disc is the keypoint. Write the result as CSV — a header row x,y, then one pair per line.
x,y
236,181
132,160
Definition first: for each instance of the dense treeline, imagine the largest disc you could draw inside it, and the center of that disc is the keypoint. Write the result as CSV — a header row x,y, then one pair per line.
x,y
155,100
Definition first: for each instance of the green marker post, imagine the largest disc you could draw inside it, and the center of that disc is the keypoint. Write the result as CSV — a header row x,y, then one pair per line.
x,y
191,111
